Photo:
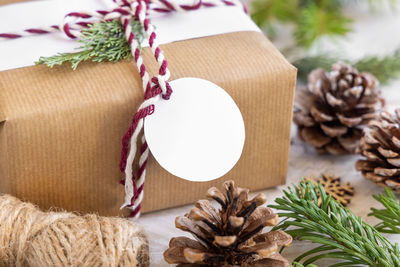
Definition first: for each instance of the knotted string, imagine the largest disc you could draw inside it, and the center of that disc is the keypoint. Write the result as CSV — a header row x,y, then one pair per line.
x,y
155,89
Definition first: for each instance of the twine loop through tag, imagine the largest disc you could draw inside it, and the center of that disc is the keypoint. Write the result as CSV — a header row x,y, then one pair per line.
x,y
155,88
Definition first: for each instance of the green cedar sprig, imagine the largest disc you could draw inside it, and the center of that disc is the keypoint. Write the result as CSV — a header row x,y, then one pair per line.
x,y
340,233
384,68
102,41
390,215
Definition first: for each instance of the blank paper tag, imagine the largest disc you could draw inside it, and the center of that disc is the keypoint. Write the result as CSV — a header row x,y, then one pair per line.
x,y
198,134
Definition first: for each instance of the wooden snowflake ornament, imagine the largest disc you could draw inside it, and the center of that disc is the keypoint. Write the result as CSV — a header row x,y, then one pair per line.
x,y
332,186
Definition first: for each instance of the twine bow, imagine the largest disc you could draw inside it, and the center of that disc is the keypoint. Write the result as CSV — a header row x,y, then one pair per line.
x,y
155,89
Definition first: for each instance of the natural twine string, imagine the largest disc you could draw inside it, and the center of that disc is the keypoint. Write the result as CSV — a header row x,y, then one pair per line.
x,y
155,89
30,237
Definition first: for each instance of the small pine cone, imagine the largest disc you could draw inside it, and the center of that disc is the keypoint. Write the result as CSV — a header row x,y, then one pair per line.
x,y
332,111
380,145
230,236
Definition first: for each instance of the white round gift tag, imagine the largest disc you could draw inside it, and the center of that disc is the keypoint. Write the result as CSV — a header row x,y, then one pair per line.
x,y
198,134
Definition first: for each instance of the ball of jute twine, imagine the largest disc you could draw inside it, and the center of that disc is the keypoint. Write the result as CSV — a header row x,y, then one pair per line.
x,y
30,237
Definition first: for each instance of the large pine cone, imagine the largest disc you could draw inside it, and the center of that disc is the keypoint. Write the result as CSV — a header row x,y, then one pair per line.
x,y
380,145
230,236
333,109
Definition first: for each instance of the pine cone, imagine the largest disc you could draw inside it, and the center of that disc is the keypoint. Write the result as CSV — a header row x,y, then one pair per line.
x,y
230,236
332,111
380,145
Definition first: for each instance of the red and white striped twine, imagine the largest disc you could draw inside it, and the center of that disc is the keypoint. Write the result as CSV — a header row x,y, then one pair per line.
x,y
155,89
74,21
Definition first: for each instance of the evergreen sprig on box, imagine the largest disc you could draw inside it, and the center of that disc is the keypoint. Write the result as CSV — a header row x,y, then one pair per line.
x,y
103,41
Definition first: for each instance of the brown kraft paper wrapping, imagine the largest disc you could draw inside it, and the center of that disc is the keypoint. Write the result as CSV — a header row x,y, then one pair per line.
x,y
60,130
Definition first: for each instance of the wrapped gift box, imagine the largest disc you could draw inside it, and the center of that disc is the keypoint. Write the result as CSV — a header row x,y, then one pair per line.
x,y
60,130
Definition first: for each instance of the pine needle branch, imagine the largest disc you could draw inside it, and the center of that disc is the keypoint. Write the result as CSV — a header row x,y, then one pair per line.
x,y
341,234
390,215
307,64
384,68
315,21
310,18
102,41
